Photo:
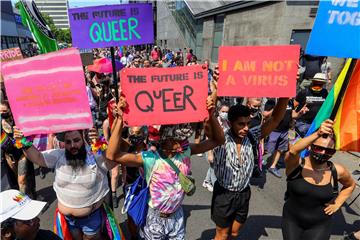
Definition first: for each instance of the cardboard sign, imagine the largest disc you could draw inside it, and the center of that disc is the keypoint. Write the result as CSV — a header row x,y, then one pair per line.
x,y
112,25
47,93
258,71
10,54
336,30
164,95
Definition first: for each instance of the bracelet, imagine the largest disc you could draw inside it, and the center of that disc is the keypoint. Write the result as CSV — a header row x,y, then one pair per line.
x,y
23,143
99,146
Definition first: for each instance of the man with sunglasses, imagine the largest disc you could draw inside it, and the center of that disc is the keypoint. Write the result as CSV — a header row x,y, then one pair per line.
x,y
312,196
18,217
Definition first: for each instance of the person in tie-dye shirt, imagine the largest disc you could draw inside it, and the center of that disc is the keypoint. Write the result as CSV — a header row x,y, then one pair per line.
x,y
165,218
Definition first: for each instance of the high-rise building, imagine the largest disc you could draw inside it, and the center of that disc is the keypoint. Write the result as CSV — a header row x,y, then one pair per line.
x,y
57,10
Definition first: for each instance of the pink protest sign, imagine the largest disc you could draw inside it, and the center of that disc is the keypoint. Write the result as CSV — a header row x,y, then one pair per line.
x,y
47,93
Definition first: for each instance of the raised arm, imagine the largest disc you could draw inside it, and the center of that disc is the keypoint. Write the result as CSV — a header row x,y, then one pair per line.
x,y
115,152
293,155
276,117
212,129
31,153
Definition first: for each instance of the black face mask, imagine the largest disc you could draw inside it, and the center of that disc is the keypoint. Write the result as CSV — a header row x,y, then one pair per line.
x,y
136,140
319,158
254,111
5,115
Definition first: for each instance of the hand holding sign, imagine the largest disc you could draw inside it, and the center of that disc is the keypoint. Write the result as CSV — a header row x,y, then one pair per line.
x,y
258,71
164,95
47,93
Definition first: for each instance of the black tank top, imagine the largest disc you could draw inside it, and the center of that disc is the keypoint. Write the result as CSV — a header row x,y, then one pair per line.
x,y
305,201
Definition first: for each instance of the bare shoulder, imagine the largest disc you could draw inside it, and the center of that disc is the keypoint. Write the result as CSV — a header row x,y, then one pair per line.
x,y
341,170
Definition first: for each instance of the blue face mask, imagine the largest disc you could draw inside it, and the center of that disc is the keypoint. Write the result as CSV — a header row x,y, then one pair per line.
x,y
223,115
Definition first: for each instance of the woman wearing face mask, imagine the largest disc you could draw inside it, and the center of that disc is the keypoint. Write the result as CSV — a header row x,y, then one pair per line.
x,y
311,198
210,178
22,173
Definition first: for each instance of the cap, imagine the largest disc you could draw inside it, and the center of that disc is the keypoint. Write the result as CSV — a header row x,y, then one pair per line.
x,y
17,205
320,77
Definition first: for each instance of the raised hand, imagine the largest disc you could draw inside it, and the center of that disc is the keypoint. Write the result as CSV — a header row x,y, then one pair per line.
x,y
18,134
326,128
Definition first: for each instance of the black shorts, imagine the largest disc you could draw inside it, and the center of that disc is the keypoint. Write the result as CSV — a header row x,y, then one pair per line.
x,y
227,206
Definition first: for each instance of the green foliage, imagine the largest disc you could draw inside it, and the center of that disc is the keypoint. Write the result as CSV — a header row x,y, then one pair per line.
x,y
61,35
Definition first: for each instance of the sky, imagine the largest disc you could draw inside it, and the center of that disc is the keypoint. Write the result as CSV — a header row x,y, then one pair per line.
x,y
84,3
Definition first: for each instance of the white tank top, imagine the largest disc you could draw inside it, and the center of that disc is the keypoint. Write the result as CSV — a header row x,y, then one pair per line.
x,y
81,187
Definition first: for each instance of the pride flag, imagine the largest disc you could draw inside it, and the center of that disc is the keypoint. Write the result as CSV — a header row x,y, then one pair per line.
x,y
347,125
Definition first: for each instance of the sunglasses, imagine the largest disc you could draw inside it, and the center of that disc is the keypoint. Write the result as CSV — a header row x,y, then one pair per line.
x,y
320,149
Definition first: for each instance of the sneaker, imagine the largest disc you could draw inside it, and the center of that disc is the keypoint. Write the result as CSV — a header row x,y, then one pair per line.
x,y
275,172
199,154
210,188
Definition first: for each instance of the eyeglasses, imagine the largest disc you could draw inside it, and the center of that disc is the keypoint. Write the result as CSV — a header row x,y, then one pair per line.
x,y
320,149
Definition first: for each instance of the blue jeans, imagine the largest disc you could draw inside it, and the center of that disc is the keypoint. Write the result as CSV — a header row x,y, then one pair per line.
x,y
89,225
210,175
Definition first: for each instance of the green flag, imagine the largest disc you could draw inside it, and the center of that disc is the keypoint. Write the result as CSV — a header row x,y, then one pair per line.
x,y
31,17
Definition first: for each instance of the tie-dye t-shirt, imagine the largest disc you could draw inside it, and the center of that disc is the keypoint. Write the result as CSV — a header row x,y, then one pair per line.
x,y
165,189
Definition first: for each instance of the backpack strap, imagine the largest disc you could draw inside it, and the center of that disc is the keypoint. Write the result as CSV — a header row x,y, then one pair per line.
x,y
334,176
172,165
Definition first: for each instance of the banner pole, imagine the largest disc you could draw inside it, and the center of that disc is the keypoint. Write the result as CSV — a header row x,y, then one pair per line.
x,y
115,79
343,89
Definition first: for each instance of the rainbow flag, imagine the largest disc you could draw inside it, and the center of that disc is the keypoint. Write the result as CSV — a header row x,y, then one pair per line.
x,y
347,124
4,138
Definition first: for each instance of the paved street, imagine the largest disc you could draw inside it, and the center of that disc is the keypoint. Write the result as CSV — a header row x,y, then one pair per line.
x,y
265,206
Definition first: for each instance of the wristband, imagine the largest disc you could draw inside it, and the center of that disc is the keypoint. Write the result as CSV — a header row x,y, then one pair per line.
x,y
23,143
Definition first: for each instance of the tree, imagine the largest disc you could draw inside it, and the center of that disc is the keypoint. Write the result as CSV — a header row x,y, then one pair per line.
x,y
61,35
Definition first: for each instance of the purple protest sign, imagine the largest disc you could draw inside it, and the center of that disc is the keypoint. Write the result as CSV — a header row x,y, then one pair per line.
x,y
112,25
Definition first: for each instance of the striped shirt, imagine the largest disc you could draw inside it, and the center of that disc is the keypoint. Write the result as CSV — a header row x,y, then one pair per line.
x,y
231,172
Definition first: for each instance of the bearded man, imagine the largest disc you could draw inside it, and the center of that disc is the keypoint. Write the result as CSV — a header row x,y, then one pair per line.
x,y
80,180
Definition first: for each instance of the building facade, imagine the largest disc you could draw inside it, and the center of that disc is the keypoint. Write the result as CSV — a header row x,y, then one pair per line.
x,y
57,10
13,32
206,25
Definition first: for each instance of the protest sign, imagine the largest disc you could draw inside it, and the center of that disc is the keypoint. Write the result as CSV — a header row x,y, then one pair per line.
x,y
112,25
47,93
258,71
9,55
164,95
336,30
87,57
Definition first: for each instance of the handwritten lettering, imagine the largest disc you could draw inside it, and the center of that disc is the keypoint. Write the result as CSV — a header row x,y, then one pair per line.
x,y
170,100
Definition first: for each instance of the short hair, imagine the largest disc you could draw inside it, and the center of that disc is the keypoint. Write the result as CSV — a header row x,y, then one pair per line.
x,y
237,111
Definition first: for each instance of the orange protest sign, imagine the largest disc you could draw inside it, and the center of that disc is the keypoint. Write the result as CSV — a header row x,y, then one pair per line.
x,y
164,95
258,71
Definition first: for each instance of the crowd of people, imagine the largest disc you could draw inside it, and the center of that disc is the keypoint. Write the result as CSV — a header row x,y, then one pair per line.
x,y
234,138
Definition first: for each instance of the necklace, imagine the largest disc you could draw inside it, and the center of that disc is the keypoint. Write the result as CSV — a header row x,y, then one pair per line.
x,y
321,169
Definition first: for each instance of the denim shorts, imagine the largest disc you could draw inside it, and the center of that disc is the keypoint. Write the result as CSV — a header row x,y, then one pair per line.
x,y
89,225
278,141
